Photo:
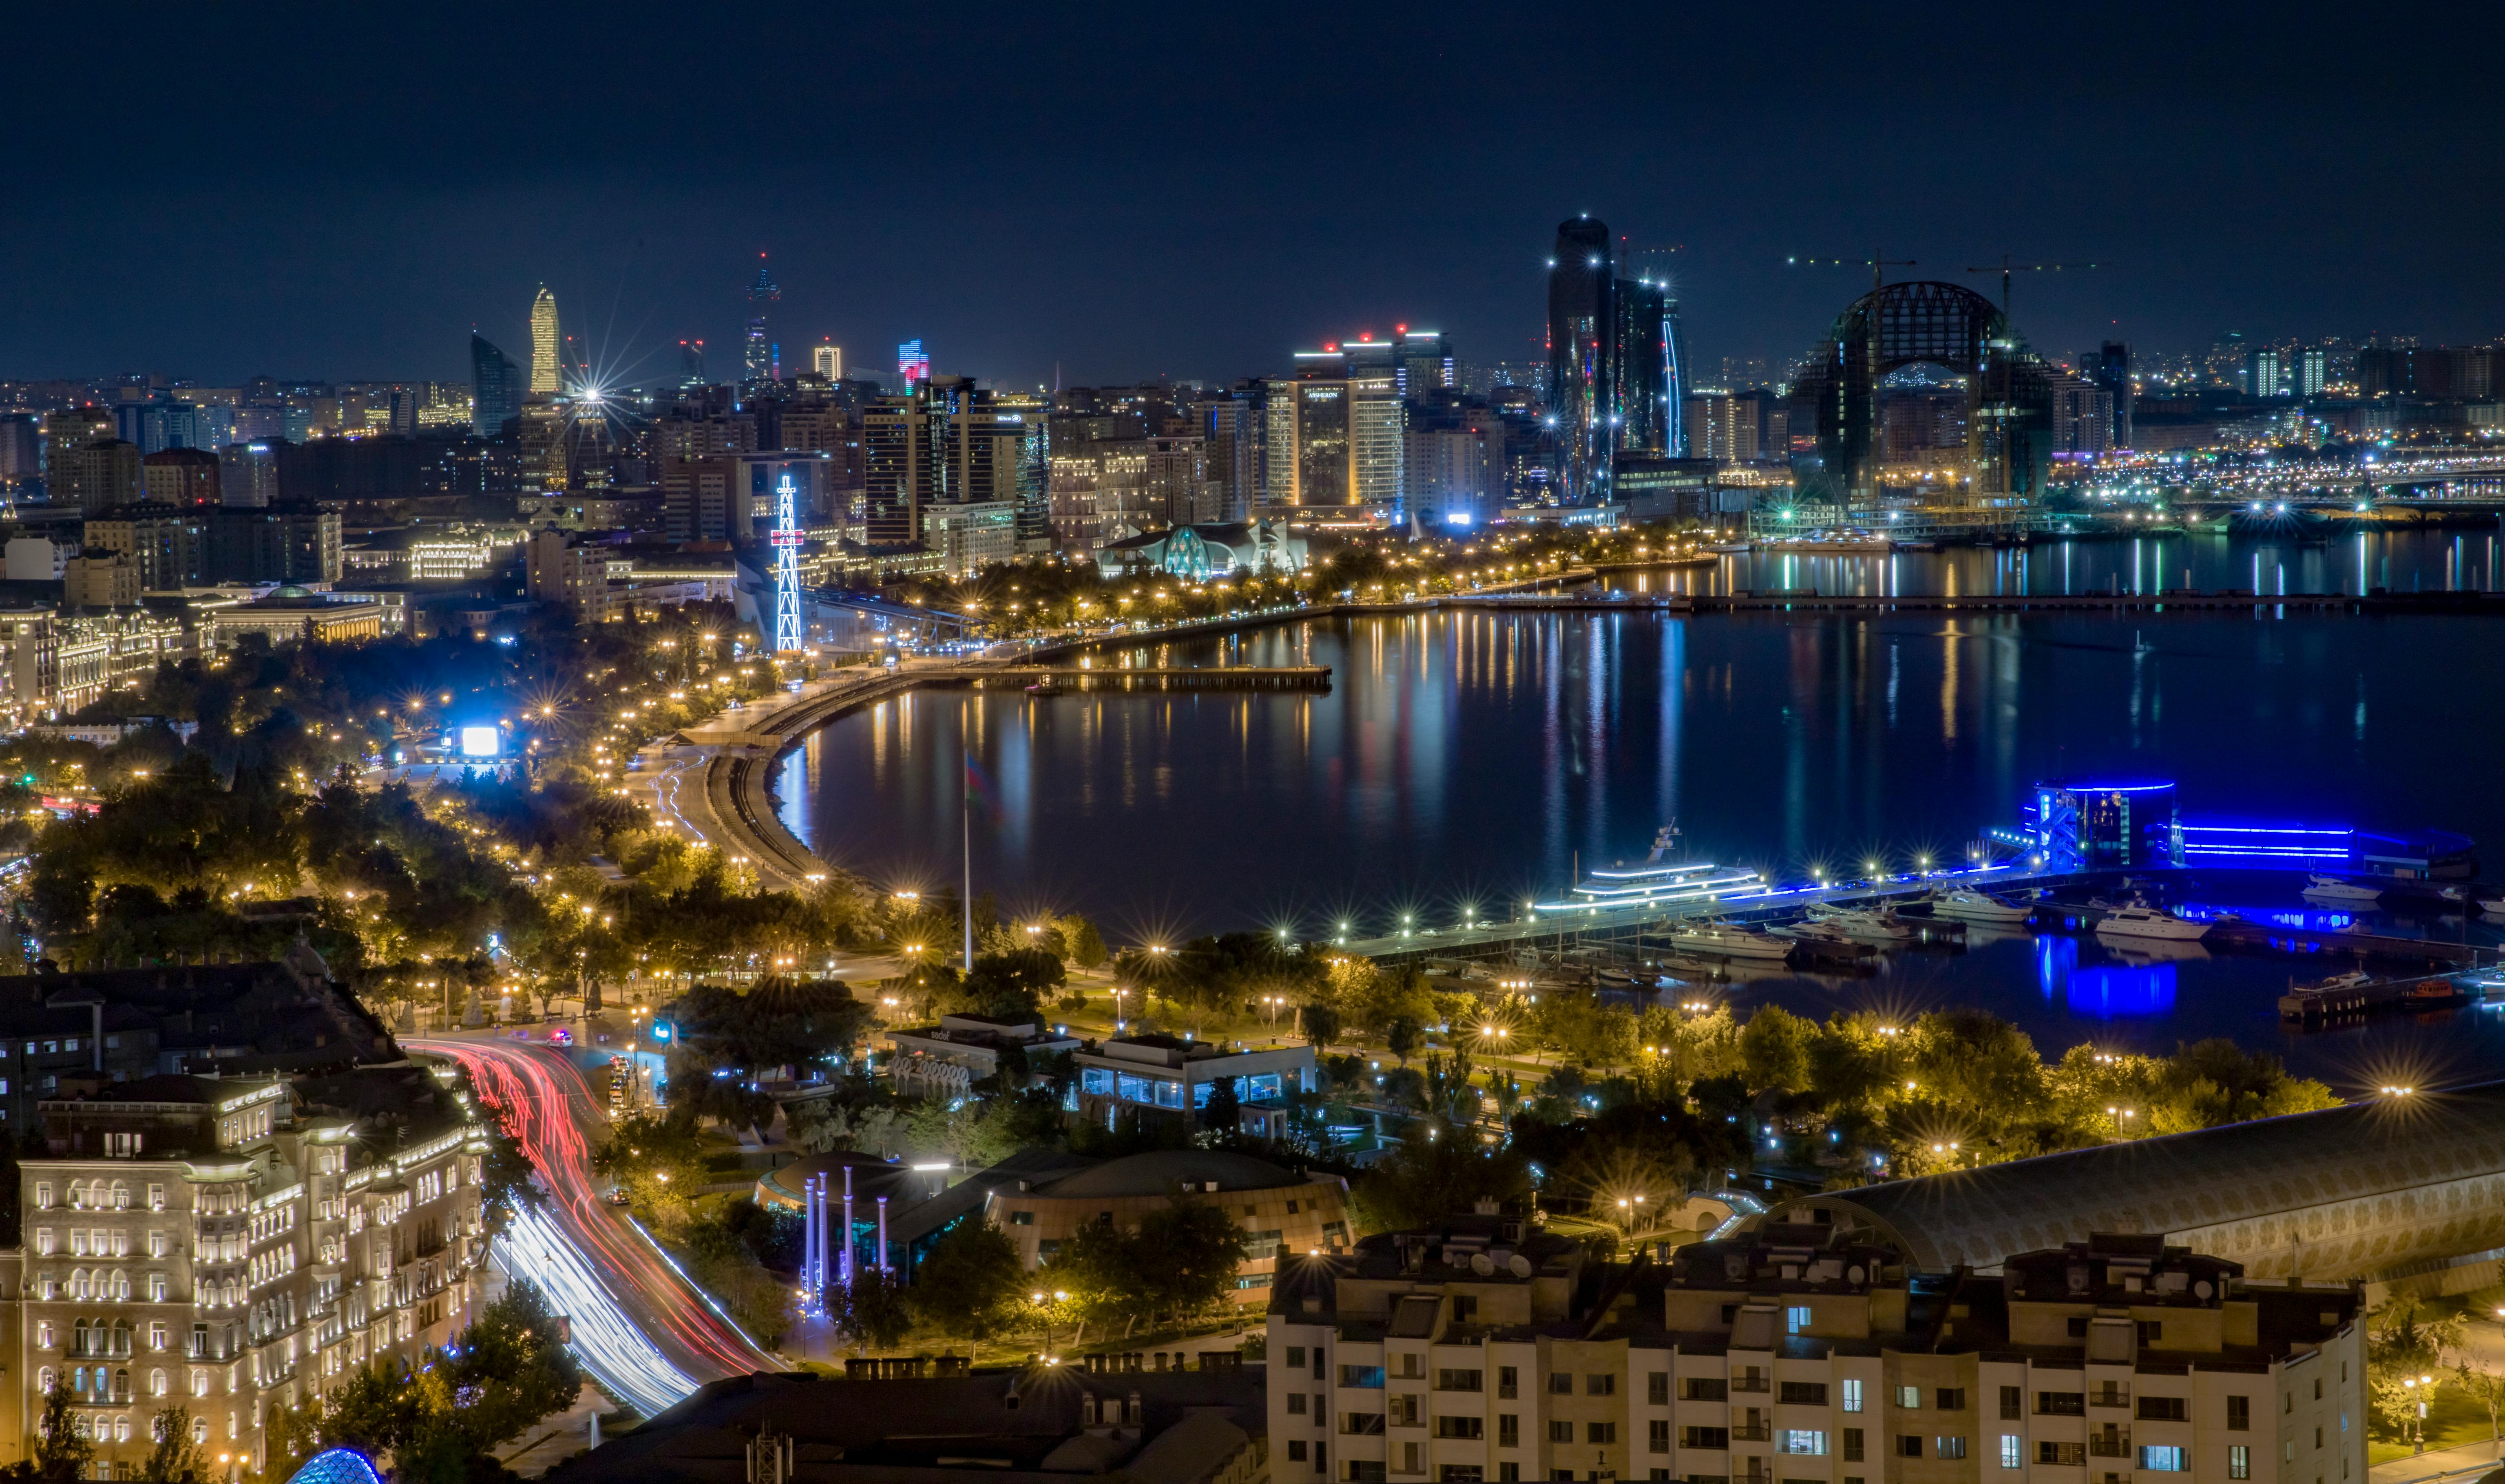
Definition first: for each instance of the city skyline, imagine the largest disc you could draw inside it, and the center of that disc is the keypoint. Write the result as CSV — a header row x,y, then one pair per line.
x,y
2218,173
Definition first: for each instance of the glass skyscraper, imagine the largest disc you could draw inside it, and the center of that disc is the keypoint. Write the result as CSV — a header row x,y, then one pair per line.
x,y
1617,365
495,388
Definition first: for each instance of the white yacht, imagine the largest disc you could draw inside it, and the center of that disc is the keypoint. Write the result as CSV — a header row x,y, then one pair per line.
x,y
2149,922
1880,925
1729,941
2493,908
2321,888
1967,904
1657,880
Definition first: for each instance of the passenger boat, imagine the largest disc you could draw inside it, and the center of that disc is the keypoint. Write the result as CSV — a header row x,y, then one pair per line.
x,y
1860,922
1728,941
1657,880
2321,888
2149,922
1048,686
1970,906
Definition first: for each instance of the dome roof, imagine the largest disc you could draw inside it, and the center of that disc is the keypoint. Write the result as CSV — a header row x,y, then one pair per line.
x,y
1165,1172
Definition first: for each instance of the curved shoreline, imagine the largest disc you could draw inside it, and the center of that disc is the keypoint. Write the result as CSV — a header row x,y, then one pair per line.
x,y
738,770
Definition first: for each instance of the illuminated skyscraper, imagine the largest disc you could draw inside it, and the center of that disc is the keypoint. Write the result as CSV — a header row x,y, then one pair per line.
x,y
1617,365
757,364
546,379
912,361
692,366
827,359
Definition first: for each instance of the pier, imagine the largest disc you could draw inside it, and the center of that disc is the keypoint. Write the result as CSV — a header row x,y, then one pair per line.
x,y
1811,600
1072,678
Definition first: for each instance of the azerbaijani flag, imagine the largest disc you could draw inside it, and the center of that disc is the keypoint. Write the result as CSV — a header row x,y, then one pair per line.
x,y
980,799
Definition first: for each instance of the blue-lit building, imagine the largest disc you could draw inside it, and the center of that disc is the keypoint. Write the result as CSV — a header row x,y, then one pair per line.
x,y
2107,823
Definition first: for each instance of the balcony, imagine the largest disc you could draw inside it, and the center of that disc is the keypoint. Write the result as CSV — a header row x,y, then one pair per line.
x,y
2109,1447
1753,1382
1753,1433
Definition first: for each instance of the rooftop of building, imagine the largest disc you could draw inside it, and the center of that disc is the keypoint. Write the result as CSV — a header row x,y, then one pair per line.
x,y
984,1031
1170,1171
235,1019
2240,1172
1172,1051
1012,1425
1399,1279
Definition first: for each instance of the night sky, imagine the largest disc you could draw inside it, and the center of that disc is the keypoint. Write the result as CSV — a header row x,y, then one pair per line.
x,y
344,192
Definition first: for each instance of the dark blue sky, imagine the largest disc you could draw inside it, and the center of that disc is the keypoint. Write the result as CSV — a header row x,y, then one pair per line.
x,y
344,192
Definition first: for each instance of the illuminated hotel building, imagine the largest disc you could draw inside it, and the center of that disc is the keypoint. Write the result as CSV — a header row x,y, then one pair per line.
x,y
235,1245
1335,430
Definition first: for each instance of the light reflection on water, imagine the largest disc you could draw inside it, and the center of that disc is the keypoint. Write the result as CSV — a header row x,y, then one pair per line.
x,y
1462,763
2273,562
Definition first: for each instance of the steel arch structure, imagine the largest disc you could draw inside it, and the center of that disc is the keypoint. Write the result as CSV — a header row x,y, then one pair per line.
x,y
2008,394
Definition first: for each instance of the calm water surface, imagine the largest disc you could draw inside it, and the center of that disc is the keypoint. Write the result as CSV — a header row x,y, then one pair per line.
x,y
1466,762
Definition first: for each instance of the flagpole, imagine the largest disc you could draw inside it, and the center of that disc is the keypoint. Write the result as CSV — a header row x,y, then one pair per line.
x,y
966,821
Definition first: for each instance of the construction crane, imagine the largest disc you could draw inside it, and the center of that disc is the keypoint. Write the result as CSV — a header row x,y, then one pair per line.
x,y
2008,268
1878,263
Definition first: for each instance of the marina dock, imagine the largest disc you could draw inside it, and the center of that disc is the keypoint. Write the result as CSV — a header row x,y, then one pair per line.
x,y
1811,600
1074,678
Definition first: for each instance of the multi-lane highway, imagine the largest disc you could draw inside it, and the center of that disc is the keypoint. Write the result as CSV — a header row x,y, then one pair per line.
x,y
640,1326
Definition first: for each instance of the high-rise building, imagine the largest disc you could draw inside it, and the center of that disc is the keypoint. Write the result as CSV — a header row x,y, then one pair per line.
x,y
1231,429
2267,373
946,443
691,365
2082,415
496,388
1453,465
1582,322
2111,370
1334,430
912,362
757,354
827,361
1726,427
98,475
21,448
180,476
2439,373
247,475
2312,372
1469,1350
547,378
161,423
1617,363
66,427
1424,362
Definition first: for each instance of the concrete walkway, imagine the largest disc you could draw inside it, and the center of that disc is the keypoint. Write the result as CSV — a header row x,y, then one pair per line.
x,y
559,1439
2467,1461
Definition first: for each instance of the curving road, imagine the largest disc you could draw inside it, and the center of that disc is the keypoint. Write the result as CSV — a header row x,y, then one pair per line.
x,y
640,1326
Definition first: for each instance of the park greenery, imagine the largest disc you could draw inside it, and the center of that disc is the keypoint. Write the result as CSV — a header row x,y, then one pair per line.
x,y
1048,595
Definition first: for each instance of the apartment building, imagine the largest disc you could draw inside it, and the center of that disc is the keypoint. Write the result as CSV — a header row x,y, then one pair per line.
x,y
235,1245
1482,1351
